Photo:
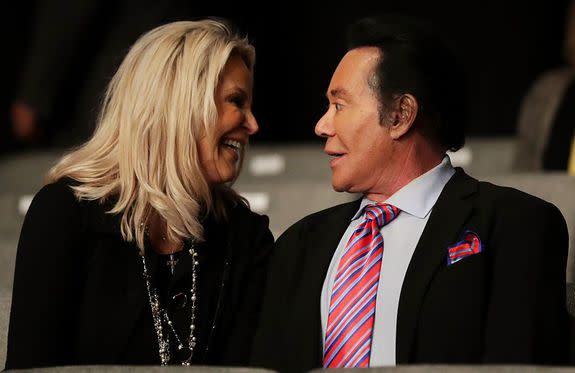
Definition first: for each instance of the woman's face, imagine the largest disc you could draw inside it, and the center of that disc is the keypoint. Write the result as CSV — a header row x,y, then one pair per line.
x,y
219,155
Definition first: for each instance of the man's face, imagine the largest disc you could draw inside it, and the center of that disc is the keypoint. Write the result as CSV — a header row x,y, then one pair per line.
x,y
359,145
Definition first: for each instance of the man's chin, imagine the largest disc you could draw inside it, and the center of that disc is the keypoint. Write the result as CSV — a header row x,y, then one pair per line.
x,y
339,186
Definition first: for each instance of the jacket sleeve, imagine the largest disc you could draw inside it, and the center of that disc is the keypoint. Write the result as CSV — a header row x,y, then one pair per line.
x,y
270,349
527,321
257,242
47,283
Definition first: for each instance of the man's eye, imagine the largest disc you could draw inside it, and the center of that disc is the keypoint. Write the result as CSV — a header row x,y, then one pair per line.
x,y
338,106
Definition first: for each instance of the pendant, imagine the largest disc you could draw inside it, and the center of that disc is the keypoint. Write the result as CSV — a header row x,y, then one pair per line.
x,y
184,354
172,263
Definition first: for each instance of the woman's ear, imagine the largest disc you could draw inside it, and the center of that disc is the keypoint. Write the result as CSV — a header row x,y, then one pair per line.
x,y
406,108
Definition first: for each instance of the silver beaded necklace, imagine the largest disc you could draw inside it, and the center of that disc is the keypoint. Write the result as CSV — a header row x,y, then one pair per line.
x,y
160,315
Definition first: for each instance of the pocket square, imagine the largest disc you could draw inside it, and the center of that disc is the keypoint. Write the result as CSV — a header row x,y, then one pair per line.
x,y
469,245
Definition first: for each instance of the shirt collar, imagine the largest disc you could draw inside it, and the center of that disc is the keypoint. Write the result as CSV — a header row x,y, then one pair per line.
x,y
420,194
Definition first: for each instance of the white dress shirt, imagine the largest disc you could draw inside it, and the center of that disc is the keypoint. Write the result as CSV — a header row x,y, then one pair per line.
x,y
415,200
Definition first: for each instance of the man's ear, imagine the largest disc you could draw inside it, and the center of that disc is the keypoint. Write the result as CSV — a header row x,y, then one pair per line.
x,y
405,112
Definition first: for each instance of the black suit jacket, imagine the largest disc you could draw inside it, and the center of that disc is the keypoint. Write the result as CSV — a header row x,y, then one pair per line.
x,y
503,305
79,296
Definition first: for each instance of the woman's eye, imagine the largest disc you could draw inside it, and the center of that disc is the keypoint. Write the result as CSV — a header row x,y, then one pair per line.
x,y
237,100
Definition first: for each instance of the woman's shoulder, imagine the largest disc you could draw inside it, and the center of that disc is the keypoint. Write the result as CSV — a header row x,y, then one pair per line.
x,y
250,229
58,193
241,213
247,222
53,206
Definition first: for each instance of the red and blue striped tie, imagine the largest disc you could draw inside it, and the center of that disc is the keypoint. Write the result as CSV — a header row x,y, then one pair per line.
x,y
352,303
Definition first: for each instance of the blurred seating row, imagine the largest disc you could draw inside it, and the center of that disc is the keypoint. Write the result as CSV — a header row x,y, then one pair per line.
x,y
287,182
481,156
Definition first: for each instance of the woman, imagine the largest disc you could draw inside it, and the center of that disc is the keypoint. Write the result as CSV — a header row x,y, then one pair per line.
x,y
137,251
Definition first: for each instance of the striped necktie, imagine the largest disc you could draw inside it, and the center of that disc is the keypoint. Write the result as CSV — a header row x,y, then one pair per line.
x,y
352,304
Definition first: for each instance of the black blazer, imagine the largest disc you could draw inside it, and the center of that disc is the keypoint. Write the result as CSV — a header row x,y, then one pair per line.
x,y
503,305
79,296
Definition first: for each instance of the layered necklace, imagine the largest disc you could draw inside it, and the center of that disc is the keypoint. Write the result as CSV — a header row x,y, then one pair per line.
x,y
184,348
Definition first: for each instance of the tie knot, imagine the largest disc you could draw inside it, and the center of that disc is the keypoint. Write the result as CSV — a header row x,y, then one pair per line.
x,y
381,213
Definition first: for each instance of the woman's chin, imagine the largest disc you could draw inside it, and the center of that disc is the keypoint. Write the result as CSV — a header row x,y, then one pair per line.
x,y
222,175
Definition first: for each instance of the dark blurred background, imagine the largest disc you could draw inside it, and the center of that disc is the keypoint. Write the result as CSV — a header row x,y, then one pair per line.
x,y
59,55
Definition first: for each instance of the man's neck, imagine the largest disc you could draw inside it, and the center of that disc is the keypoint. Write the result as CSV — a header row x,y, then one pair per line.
x,y
409,165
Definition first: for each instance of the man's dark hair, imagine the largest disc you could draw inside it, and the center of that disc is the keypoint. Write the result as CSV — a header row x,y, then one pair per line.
x,y
416,61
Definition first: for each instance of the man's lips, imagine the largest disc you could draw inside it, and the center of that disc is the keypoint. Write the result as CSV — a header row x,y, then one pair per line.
x,y
334,157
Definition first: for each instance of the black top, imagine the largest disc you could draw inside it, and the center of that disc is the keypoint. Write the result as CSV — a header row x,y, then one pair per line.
x,y
80,297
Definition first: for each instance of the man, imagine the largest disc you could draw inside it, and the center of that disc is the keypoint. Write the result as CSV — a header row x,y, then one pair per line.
x,y
431,265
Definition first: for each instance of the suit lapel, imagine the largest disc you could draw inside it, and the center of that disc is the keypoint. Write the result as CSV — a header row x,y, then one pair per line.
x,y
449,214
327,234
323,239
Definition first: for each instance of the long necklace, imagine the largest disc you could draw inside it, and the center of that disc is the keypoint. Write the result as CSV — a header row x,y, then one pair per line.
x,y
160,314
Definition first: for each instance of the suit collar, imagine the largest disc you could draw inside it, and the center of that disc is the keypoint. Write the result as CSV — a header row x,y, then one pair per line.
x,y
448,216
418,197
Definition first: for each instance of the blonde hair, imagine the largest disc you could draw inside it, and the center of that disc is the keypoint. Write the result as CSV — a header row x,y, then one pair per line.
x,y
144,152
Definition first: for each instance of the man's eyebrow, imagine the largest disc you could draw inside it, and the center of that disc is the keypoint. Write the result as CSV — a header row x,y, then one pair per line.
x,y
337,93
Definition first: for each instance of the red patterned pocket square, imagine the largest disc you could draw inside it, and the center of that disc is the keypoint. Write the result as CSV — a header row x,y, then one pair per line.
x,y
469,245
